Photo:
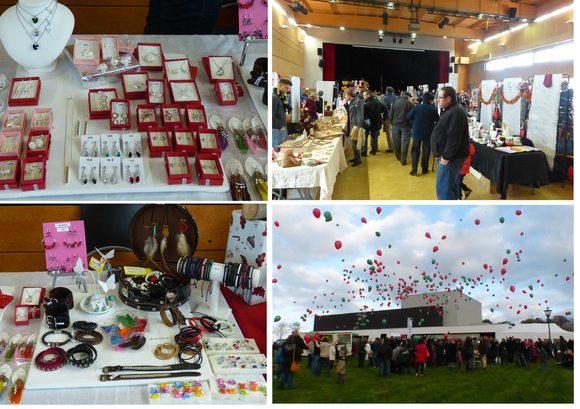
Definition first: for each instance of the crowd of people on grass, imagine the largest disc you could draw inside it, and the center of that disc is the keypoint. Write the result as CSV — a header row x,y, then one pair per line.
x,y
403,356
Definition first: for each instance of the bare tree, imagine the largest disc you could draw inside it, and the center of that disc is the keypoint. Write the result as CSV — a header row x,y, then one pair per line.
x,y
281,329
295,326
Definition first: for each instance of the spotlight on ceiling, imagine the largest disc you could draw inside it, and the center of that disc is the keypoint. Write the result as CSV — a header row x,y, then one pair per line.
x,y
394,40
444,22
505,29
296,6
400,41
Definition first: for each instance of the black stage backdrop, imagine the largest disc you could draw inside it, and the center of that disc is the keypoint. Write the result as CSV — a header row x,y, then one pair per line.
x,y
382,67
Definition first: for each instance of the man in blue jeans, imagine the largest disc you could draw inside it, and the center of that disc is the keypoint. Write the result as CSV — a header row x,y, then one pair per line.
x,y
279,108
401,126
450,144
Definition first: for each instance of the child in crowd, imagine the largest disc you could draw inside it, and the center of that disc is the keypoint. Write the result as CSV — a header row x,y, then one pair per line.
x,y
464,171
341,369
279,363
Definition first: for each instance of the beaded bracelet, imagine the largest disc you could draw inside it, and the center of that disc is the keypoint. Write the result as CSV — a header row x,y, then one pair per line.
x,y
53,364
87,349
91,338
56,344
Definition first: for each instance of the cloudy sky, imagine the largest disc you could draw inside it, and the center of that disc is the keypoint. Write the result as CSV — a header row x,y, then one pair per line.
x,y
310,271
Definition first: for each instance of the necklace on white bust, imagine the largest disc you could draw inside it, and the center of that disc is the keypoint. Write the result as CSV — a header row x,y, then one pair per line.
x,y
36,34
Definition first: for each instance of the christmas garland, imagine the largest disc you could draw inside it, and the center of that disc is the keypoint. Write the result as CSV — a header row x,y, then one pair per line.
x,y
526,93
483,101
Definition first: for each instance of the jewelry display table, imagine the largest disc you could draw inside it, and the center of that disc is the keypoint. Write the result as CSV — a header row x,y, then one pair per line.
x,y
70,385
61,84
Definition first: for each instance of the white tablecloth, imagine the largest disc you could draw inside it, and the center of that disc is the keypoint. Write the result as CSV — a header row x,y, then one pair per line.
x,y
61,84
322,176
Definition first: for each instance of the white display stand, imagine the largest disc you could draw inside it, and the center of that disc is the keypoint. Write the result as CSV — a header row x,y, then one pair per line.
x,y
327,87
7,291
254,92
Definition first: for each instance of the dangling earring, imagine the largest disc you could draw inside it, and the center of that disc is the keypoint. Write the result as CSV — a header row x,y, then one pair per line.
x,y
183,248
151,244
165,232
48,242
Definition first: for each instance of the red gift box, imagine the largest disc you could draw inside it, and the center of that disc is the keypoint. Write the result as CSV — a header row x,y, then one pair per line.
x,y
5,299
184,92
120,114
10,145
30,178
239,90
86,55
22,315
156,89
129,79
158,144
41,119
37,296
10,180
184,141
177,175
150,56
109,52
24,92
146,117
97,104
214,63
226,92
178,69
195,116
15,121
171,116
210,174
208,143
44,151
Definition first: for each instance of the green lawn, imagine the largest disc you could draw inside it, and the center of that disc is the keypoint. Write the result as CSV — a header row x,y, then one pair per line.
x,y
439,385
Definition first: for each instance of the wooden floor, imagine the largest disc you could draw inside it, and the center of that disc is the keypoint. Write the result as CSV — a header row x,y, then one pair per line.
x,y
382,177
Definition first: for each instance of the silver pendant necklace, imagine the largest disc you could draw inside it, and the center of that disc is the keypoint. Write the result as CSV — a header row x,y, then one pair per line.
x,y
35,16
36,32
220,70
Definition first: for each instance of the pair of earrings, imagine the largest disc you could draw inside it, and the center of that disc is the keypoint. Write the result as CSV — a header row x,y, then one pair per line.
x,y
94,150
133,178
115,149
92,177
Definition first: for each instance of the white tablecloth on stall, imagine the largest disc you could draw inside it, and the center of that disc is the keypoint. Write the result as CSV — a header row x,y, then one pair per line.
x,y
109,392
61,84
323,176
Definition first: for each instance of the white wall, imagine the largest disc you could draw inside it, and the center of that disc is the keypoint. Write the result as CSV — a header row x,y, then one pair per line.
x,y
316,36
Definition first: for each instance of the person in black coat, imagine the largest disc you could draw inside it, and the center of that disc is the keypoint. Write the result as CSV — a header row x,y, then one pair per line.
x,y
291,353
373,110
424,117
385,353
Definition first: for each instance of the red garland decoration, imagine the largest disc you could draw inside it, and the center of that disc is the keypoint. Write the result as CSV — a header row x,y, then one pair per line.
x,y
483,101
511,101
245,6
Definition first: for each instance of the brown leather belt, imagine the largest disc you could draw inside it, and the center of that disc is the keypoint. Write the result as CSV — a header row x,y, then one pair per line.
x,y
155,375
145,368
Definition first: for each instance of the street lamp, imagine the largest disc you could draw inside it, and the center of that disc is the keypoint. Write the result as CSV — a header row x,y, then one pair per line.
x,y
548,312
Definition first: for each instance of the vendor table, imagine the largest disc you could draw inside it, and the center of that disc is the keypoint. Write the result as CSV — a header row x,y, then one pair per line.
x,y
61,84
69,385
504,168
322,176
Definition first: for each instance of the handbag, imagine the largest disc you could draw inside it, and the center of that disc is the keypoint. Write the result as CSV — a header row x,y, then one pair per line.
x,y
295,367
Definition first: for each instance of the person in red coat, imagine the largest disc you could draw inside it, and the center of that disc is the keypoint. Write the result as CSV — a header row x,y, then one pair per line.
x,y
464,171
421,357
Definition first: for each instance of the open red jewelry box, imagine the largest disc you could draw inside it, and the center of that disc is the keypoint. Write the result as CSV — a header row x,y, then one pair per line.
x,y
24,92
179,69
5,299
156,89
33,297
146,117
33,174
21,315
38,138
226,92
177,168
214,64
184,92
135,84
120,114
171,116
195,116
100,102
207,142
150,56
209,169
184,141
109,47
10,180
159,142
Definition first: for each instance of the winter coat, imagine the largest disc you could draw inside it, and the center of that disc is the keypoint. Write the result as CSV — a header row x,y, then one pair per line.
x,y
421,353
373,109
467,164
341,367
399,111
424,118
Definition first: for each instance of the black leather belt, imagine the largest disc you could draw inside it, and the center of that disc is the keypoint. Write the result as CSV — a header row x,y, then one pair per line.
x,y
174,367
155,375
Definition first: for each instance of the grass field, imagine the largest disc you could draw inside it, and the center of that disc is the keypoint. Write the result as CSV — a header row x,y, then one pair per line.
x,y
439,385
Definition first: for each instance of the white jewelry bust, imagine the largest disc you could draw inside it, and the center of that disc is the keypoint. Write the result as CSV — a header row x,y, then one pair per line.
x,y
16,34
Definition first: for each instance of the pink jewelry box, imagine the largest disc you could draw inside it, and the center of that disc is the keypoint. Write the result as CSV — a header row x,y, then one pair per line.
x,y
143,125
41,122
158,150
109,52
12,114
177,178
13,179
22,93
129,78
126,45
168,117
178,141
10,145
34,180
79,50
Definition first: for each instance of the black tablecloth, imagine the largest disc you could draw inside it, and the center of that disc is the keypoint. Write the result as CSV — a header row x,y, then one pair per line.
x,y
504,168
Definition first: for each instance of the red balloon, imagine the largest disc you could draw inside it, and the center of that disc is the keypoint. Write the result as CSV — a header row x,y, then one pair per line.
x,y
274,280
477,222
398,262
338,244
503,271
567,278
522,233
518,212
428,235
379,210
512,288
316,213
443,237
505,261
435,249
463,262
363,220
276,224
379,253
307,338
485,266
279,266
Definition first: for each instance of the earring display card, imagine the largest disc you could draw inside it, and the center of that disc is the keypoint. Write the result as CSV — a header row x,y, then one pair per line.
x,y
38,144
90,146
109,47
156,91
133,171
15,121
86,51
89,170
132,145
150,56
185,92
158,139
208,142
196,117
111,145
120,115
100,102
135,85
110,170
253,21
171,116
177,167
9,174
24,92
10,145
146,117
219,67
178,70
41,119
69,240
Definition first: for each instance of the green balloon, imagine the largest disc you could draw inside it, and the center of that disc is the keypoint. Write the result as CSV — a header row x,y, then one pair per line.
x,y
328,216
390,246
508,251
369,262
378,234
491,309
501,220
433,261
384,322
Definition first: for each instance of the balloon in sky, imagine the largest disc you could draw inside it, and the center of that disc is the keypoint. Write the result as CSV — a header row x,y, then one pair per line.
x,y
379,253
435,249
508,251
378,234
316,213
505,261
512,288
307,338
477,222
338,244
277,318
390,246
501,220
443,237
276,224
274,280
328,216
518,212
363,220
279,266
379,210
433,261
428,235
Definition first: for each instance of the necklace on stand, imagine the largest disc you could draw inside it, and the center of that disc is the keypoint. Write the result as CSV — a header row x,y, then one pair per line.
x,y
36,32
35,16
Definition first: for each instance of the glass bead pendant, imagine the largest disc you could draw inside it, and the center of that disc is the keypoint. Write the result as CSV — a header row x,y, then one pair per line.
x,y
35,19
35,47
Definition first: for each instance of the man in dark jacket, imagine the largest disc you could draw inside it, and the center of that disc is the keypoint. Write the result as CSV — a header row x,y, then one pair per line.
x,y
373,110
401,126
385,354
450,144
279,108
424,117
388,101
